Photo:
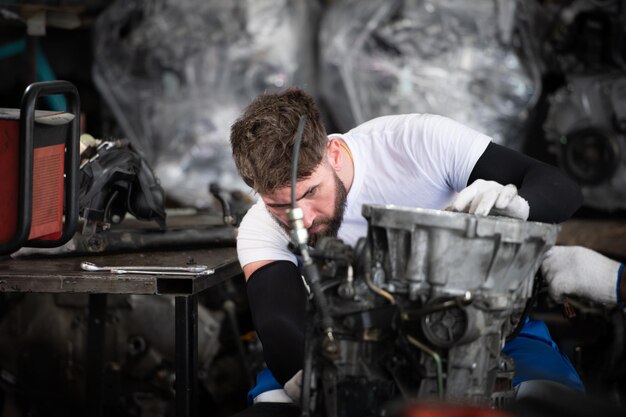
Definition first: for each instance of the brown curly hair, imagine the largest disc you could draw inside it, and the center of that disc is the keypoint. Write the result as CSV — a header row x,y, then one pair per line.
x,y
262,139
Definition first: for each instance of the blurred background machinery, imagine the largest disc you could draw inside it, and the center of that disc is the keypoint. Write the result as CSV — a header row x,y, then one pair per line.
x,y
171,76
43,354
471,61
176,74
585,122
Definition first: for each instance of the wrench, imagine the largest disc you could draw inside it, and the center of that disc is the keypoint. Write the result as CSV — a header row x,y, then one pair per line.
x,y
196,269
156,272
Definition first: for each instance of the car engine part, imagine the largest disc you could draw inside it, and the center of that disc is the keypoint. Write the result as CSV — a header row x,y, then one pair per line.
x,y
585,124
586,128
420,310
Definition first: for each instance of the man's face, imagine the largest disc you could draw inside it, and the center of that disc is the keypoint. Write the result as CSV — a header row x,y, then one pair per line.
x,y
322,198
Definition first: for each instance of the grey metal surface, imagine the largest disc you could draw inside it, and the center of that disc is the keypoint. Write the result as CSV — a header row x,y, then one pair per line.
x,y
446,254
63,274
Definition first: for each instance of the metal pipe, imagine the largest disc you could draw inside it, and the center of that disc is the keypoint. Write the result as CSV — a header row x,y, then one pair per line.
x,y
435,357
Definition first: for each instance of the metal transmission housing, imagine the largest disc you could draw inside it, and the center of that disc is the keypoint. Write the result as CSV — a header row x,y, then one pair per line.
x,y
421,309
431,257
442,253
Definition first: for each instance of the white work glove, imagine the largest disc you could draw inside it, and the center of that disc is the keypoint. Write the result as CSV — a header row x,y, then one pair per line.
x,y
293,387
580,271
489,197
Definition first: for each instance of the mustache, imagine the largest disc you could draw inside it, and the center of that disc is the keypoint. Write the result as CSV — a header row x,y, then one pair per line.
x,y
321,222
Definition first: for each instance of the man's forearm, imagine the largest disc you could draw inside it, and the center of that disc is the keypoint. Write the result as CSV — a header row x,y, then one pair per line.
x,y
277,299
551,196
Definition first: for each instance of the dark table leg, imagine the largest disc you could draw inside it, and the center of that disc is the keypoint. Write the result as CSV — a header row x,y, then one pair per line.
x,y
95,353
186,356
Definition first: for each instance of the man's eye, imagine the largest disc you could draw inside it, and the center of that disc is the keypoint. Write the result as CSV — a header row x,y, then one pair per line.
x,y
312,191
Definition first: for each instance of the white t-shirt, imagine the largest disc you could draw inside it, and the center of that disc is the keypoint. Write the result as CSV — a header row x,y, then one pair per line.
x,y
415,160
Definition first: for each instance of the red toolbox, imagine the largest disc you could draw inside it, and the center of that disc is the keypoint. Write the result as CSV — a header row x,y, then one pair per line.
x,y
39,157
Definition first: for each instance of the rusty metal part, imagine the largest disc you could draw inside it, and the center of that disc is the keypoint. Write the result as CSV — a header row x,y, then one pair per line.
x,y
605,236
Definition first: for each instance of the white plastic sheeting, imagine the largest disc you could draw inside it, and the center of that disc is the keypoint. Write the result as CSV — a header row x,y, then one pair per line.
x,y
448,57
177,73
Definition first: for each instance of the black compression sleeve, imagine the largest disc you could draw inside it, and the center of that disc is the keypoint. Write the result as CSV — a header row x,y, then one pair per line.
x,y
277,299
552,196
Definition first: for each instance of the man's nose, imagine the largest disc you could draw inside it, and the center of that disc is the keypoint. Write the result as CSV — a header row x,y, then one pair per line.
x,y
309,215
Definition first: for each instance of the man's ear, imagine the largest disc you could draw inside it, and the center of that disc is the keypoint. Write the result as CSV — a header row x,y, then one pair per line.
x,y
333,152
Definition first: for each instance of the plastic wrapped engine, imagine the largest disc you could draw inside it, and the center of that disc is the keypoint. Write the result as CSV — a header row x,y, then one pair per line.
x,y
586,121
471,61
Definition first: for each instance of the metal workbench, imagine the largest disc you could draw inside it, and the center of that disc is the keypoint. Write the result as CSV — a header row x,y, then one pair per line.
x,y
63,274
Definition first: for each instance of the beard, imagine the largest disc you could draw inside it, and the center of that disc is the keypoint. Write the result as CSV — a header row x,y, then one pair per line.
x,y
329,226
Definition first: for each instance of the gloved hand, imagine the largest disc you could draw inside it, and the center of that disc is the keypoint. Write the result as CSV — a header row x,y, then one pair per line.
x,y
489,197
293,387
580,271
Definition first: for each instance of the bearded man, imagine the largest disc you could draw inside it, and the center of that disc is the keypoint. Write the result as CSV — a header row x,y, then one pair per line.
x,y
416,160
